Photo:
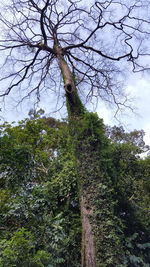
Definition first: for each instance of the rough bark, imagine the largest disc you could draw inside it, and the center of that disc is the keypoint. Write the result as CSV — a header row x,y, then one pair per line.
x,y
101,240
74,105
88,244
101,246
76,111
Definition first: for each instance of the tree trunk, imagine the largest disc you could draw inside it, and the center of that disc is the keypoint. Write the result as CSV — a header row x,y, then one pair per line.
x,y
88,245
101,244
76,110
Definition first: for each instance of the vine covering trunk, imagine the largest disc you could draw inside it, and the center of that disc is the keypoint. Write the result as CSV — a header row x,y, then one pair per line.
x,y
101,240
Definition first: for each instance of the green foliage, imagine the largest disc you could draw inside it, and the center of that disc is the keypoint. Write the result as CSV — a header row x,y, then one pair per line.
x,y
108,172
17,249
93,153
20,250
39,193
135,138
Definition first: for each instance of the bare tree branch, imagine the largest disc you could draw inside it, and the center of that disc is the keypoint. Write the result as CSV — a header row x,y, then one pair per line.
x,y
96,40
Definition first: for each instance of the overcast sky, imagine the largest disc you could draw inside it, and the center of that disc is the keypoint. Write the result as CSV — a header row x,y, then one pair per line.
x,y
138,86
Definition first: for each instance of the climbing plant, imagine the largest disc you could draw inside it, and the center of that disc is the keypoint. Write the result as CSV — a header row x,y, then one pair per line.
x,y
40,194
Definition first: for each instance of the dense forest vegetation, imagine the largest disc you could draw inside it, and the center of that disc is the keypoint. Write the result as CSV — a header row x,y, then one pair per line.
x,y
73,192
40,223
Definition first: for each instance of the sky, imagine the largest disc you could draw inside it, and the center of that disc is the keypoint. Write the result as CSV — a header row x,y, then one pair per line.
x,y
138,86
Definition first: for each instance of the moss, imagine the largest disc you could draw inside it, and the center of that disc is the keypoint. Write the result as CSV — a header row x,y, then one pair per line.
x,y
91,148
94,184
75,107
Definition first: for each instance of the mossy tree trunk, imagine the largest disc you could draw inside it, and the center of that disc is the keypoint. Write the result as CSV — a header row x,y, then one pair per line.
x,y
101,244
101,229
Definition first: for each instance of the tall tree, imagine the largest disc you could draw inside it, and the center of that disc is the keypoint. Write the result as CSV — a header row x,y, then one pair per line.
x,y
51,43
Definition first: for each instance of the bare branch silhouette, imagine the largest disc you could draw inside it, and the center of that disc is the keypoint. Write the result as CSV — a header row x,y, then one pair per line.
x,y
95,39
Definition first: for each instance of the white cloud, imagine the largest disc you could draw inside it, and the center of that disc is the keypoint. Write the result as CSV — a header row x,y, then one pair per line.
x,y
139,88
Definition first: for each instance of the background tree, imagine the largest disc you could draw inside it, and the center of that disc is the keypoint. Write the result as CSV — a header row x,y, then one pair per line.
x,y
47,43
39,207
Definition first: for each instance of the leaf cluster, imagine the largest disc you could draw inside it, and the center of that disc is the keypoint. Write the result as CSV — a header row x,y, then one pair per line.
x,y
39,201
